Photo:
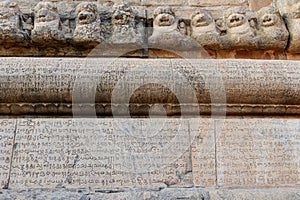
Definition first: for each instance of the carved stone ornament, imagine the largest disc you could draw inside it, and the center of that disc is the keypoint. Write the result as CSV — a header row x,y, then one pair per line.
x,y
47,24
239,34
88,24
166,33
204,30
11,23
272,30
293,25
125,30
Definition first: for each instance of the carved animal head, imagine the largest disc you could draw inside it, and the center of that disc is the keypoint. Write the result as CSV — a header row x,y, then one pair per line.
x,y
268,16
86,13
123,14
164,16
8,9
295,11
45,12
235,17
201,18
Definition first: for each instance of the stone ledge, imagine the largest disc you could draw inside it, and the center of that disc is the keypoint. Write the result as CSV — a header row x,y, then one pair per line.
x,y
51,85
163,194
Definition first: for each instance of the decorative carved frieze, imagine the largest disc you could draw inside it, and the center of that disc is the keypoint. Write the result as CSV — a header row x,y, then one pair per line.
x,y
76,28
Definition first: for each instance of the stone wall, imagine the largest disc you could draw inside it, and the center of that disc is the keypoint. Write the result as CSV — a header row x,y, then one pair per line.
x,y
75,124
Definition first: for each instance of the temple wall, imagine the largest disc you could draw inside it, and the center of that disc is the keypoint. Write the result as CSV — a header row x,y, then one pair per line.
x,y
150,99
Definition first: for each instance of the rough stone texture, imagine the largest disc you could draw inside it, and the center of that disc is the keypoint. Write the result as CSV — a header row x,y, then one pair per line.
x,y
88,29
256,5
146,194
272,30
217,3
252,194
47,24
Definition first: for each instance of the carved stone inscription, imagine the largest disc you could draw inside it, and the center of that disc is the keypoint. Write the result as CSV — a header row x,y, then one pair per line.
x,y
7,132
258,152
203,154
52,80
100,153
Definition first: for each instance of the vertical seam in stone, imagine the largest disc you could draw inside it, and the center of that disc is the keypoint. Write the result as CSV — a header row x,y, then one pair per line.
x,y
12,155
215,141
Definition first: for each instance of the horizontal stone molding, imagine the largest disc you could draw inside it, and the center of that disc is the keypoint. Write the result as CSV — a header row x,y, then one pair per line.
x,y
52,85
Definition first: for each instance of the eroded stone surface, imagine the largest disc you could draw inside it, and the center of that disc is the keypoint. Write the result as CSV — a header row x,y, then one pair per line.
x,y
104,153
203,154
239,33
7,134
258,152
47,24
272,30
52,85
88,24
11,22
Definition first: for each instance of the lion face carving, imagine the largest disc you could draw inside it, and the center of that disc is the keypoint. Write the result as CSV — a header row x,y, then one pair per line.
x,y
201,18
122,15
86,13
164,16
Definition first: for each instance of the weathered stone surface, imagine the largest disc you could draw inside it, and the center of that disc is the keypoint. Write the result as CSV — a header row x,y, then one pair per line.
x,y
47,24
215,3
272,30
256,5
126,30
263,194
7,134
293,22
75,28
258,152
166,33
204,30
52,85
88,24
100,154
203,154
140,193
11,22
239,30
